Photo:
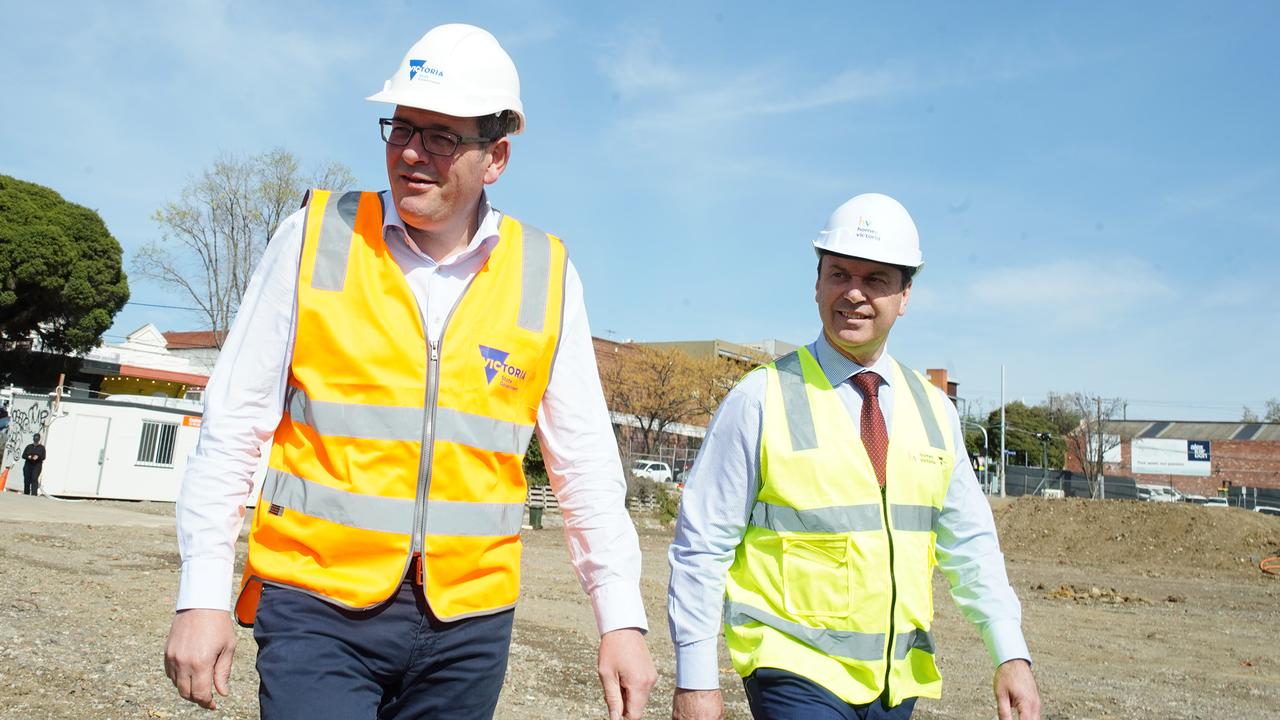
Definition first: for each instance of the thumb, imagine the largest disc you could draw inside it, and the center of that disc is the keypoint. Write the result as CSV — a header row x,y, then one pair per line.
x,y
222,671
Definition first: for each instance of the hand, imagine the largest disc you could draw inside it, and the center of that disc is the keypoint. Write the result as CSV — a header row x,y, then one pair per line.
x,y
626,673
198,655
1015,689
697,705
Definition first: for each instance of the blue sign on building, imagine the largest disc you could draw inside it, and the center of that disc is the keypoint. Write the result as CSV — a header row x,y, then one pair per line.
x,y
1198,450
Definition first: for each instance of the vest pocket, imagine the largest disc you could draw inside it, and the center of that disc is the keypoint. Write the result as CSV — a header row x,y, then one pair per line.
x,y
816,575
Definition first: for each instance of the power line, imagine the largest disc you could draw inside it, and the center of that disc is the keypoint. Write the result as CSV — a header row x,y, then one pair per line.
x,y
166,307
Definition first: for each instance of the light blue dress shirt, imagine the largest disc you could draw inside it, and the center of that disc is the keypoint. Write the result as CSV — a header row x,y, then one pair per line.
x,y
722,489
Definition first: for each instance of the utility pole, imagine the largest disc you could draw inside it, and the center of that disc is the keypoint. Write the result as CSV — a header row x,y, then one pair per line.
x,y
1101,479
1002,427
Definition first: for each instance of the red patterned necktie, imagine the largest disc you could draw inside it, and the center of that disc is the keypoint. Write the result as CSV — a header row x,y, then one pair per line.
x,y
874,436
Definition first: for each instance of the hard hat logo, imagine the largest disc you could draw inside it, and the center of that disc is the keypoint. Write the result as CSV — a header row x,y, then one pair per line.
x,y
420,70
865,231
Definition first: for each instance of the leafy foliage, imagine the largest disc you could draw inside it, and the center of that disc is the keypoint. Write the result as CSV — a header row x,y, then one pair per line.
x,y
659,387
1023,423
60,269
535,472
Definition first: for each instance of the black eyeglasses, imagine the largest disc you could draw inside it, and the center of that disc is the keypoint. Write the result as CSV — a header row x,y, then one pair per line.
x,y
436,141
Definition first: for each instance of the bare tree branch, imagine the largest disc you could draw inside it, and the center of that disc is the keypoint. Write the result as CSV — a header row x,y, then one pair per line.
x,y
1095,436
213,236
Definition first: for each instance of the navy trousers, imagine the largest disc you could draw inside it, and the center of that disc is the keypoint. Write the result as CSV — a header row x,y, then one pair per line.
x,y
317,661
779,695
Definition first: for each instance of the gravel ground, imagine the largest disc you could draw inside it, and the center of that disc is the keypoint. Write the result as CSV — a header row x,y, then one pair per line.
x,y
85,604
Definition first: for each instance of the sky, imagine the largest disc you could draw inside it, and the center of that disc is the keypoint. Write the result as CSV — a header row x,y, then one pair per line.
x,y
1095,185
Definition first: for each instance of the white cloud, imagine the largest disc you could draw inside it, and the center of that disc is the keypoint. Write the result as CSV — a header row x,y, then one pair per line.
x,y
1073,293
665,95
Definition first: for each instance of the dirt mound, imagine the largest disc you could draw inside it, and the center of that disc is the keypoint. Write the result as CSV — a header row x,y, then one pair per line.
x,y
1163,536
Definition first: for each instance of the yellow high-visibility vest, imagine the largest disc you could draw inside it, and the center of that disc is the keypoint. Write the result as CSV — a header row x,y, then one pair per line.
x,y
392,447
832,580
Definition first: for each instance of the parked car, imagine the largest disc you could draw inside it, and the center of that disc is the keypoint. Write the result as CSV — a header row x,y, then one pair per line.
x,y
652,470
1216,502
1158,493
1197,499
1267,510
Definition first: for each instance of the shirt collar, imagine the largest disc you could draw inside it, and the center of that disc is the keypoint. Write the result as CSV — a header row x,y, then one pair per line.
x,y
482,241
839,368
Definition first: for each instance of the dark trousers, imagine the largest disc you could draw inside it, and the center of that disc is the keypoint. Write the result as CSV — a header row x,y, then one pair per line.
x,y
779,695
30,479
317,661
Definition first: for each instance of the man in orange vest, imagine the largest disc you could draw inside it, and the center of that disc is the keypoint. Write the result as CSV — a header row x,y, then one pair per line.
x,y
399,348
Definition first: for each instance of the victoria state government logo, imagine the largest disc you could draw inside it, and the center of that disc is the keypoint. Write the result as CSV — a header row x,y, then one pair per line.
x,y
496,366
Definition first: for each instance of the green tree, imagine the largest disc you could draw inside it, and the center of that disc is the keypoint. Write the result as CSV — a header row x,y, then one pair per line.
x,y
214,234
535,471
1023,424
60,269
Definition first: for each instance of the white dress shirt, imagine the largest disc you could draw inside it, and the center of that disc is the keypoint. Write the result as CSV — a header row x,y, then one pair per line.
x,y
245,400
722,488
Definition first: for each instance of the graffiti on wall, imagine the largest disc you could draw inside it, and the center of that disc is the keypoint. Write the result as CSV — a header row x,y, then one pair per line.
x,y
27,415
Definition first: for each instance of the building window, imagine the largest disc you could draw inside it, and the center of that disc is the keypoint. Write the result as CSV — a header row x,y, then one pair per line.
x,y
156,445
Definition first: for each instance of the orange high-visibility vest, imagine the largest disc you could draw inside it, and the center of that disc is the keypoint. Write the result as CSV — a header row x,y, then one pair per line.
x,y
391,447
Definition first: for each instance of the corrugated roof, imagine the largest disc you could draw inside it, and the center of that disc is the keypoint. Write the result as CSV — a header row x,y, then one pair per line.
x,y
1180,430
1247,431
1154,429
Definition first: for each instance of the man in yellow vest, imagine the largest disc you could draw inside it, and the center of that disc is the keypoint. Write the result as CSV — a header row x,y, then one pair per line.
x,y
399,348
830,483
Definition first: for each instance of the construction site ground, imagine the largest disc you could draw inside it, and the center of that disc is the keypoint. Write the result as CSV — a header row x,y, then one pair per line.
x,y
1132,610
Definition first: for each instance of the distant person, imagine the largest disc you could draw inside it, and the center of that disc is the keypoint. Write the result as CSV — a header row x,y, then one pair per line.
x,y
403,347
4,416
33,457
830,483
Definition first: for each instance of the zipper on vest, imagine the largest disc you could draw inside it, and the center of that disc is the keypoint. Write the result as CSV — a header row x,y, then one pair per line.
x,y
425,456
893,587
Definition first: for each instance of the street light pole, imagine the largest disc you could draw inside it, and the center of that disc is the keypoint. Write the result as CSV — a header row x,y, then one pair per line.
x,y
1002,427
986,457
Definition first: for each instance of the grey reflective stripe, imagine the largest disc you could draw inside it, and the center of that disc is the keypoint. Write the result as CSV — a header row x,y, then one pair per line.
x,y
795,402
844,518
838,643
918,639
474,519
921,395
388,422
367,512
330,272
390,515
535,277
914,518
481,432
371,422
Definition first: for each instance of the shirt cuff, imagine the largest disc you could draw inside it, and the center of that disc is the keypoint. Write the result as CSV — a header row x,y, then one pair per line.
x,y
618,605
697,667
1004,642
205,583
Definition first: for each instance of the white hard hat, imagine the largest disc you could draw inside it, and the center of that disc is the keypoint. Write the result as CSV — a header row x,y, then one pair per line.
x,y
875,227
458,70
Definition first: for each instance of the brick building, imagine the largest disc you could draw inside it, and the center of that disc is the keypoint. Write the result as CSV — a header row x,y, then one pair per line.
x,y
1201,457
